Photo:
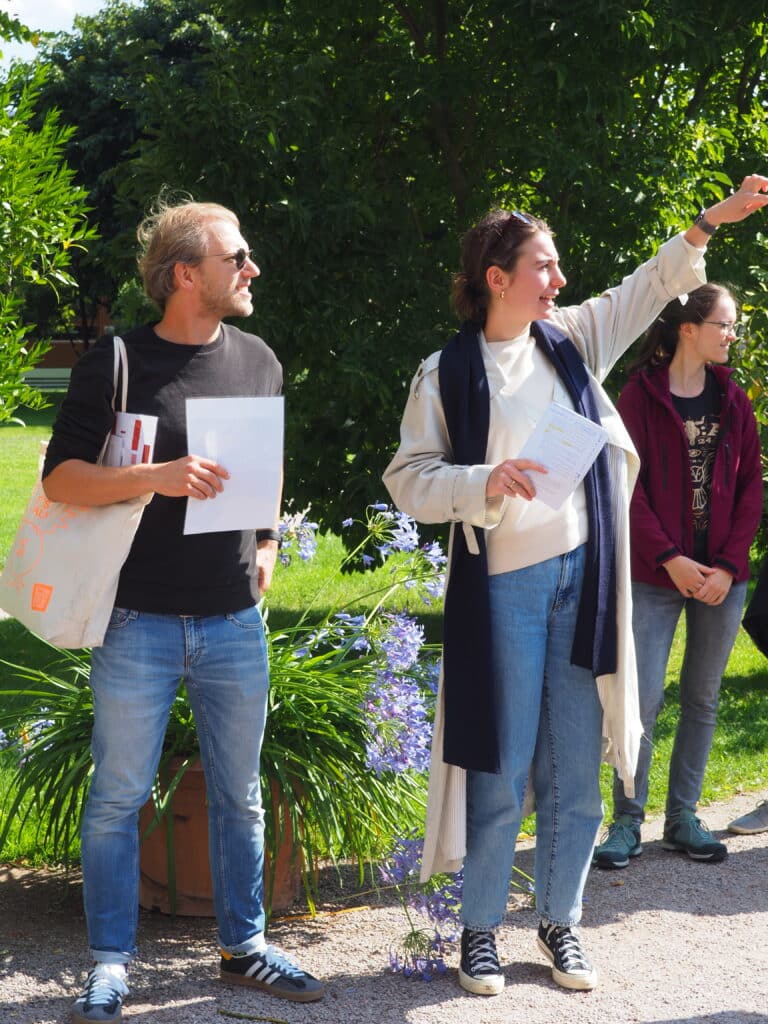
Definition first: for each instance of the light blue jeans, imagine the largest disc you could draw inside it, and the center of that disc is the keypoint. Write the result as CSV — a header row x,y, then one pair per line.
x,y
549,718
710,636
223,661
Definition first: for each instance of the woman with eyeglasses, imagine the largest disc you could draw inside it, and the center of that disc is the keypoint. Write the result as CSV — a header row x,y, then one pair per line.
x,y
695,511
538,660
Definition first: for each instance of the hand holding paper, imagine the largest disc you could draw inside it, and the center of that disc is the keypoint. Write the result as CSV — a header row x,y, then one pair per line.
x,y
567,444
512,478
246,436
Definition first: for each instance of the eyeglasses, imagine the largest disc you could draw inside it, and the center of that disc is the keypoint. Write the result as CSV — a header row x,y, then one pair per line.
x,y
238,258
737,330
521,216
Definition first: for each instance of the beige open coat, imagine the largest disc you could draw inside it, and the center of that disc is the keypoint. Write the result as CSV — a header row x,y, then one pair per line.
x,y
424,482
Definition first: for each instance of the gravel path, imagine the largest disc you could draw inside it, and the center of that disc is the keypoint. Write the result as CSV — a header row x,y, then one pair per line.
x,y
675,943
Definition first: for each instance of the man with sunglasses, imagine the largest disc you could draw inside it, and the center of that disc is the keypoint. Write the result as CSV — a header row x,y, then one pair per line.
x,y
186,605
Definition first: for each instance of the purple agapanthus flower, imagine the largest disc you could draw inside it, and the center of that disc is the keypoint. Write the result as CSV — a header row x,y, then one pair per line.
x,y
299,533
405,535
32,732
395,708
428,673
399,725
402,641
401,535
353,627
439,900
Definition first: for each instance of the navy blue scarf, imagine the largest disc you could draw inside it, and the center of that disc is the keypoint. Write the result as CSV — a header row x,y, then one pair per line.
x,y
470,733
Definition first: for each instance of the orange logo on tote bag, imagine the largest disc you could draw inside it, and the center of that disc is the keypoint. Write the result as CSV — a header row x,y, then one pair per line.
x,y
41,595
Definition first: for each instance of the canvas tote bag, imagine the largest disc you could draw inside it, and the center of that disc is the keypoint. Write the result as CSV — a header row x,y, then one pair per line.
x,y
61,575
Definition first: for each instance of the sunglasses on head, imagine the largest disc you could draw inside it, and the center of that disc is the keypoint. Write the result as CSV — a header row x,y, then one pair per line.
x,y
238,257
514,216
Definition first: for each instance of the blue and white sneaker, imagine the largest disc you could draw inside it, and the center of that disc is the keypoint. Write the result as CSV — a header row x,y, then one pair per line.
x,y
102,996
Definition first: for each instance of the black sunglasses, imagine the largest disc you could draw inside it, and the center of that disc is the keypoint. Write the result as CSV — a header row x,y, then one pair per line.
x,y
238,258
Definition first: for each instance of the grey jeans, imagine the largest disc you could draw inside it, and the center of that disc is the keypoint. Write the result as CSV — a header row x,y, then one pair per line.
x,y
710,635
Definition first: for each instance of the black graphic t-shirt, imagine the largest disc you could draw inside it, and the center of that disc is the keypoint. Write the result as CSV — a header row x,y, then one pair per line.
x,y
701,420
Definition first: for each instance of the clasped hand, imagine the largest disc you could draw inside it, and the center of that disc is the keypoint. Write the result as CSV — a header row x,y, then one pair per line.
x,y
702,582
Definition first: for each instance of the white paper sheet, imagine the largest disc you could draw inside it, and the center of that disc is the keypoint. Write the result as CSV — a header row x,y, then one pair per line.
x,y
245,436
566,444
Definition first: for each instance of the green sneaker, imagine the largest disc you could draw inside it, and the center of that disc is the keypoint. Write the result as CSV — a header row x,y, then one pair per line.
x,y
621,841
690,835
751,823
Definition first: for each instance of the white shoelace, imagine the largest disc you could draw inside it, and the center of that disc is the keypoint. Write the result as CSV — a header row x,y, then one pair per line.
x,y
103,982
569,949
481,953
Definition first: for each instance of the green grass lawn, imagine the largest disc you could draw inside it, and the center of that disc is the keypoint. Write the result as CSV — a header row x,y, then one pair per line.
x,y
19,449
739,759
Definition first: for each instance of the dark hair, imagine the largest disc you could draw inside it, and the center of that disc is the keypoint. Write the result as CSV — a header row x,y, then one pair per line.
x,y
494,241
660,342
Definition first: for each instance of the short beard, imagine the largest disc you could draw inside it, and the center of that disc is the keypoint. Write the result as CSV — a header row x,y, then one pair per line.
x,y
231,306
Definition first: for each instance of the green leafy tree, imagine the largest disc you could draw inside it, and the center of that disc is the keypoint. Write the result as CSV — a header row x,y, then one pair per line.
x,y
42,223
98,80
358,140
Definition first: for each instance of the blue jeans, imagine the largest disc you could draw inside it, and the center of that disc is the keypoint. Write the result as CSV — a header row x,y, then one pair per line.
x,y
549,719
222,659
710,636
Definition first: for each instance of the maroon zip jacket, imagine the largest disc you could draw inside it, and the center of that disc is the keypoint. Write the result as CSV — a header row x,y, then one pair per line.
x,y
661,519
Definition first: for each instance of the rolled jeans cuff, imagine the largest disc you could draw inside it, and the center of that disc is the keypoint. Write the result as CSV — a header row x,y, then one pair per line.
x,y
256,943
110,956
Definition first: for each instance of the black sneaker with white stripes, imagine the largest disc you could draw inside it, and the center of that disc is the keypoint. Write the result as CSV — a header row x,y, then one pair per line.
x,y
570,966
479,971
271,971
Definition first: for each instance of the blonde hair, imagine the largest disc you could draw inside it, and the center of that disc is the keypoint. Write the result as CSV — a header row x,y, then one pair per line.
x,y
174,233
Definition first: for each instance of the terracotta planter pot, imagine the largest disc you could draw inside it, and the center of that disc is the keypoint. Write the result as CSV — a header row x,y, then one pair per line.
x,y
194,893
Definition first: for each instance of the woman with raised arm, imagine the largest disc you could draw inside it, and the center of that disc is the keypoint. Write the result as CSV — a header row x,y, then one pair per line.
x,y
694,514
538,665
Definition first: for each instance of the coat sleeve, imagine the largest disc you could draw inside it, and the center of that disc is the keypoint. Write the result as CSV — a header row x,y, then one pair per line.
x,y
748,496
421,478
647,531
604,327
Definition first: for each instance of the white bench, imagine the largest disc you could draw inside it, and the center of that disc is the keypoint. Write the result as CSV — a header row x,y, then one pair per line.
x,y
48,378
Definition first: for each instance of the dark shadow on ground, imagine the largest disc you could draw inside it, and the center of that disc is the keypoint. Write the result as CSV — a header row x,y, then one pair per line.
x,y
664,880
724,1017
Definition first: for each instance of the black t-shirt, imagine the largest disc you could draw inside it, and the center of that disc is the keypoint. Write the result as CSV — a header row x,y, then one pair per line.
x,y
166,571
701,420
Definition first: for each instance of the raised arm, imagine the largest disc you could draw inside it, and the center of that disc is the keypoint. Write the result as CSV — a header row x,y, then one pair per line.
x,y
605,326
749,197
